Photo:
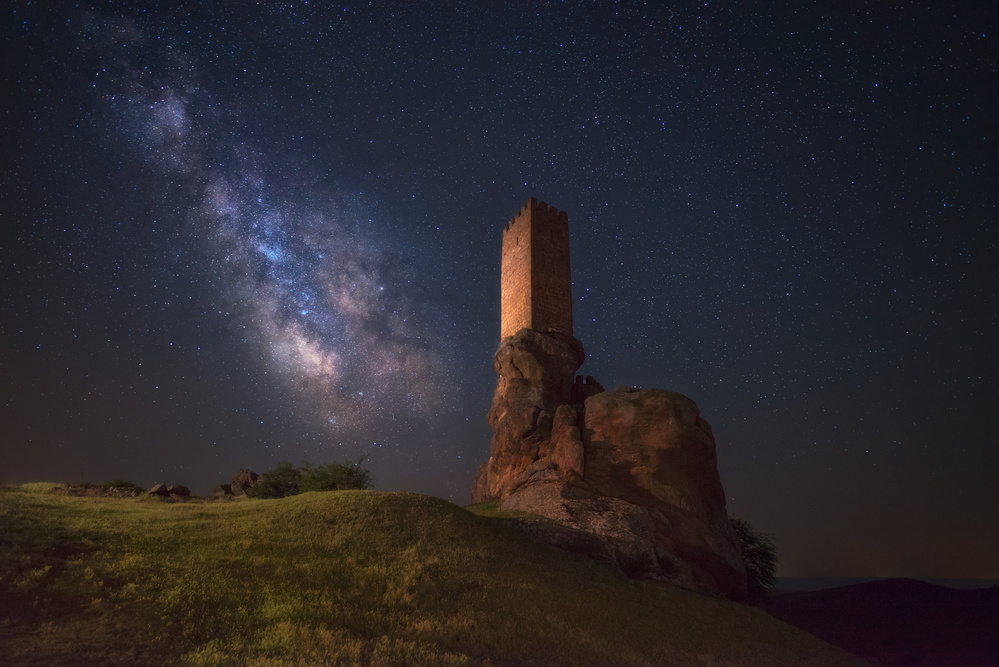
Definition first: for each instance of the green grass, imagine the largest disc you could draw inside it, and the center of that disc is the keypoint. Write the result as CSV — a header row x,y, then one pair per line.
x,y
350,577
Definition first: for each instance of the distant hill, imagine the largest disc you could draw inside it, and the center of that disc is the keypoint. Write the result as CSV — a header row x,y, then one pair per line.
x,y
901,621
340,578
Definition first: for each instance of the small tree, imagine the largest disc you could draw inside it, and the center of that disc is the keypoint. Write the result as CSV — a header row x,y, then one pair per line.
x,y
759,556
335,476
279,482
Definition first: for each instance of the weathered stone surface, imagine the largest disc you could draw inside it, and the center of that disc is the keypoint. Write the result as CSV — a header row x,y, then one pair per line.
x,y
536,376
649,445
635,538
652,448
179,490
540,358
242,481
566,443
159,490
222,490
578,519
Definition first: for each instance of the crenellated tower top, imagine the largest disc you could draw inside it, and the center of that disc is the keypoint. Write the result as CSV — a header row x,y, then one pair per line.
x,y
536,286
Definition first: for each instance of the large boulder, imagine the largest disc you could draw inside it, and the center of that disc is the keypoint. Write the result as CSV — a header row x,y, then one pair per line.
x,y
243,481
652,445
159,490
179,490
652,448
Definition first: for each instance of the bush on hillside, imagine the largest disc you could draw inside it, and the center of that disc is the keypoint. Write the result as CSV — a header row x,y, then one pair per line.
x,y
285,480
335,476
759,556
280,481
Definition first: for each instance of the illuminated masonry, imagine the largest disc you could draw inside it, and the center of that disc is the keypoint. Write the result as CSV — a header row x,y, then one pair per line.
x,y
536,288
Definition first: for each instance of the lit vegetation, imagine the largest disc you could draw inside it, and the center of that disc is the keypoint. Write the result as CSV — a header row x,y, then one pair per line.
x,y
285,480
348,577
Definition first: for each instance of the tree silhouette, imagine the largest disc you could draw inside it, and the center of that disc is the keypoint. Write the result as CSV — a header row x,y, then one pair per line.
x,y
759,556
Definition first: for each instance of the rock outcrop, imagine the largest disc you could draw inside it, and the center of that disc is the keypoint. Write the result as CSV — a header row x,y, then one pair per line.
x,y
628,476
175,491
537,373
243,481
222,491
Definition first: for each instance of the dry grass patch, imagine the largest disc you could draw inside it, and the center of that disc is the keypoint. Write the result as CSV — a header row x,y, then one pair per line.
x,y
351,577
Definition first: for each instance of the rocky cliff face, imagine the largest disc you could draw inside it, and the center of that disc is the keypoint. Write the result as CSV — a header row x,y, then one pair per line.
x,y
536,376
629,476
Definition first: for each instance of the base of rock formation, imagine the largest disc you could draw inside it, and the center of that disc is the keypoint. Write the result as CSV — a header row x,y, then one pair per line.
x,y
573,516
576,518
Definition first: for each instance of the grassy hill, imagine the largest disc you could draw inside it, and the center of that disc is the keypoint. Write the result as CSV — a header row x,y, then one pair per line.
x,y
351,577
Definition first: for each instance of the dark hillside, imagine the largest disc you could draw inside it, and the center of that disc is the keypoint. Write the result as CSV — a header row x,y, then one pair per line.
x,y
901,621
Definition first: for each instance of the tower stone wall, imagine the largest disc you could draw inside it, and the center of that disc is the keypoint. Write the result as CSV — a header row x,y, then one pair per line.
x,y
536,287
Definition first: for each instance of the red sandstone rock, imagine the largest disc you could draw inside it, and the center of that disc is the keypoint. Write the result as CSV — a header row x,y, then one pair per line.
x,y
536,376
652,448
566,443
651,445
578,519
628,476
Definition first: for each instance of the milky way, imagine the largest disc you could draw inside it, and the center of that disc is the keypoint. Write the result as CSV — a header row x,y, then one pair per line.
x,y
313,275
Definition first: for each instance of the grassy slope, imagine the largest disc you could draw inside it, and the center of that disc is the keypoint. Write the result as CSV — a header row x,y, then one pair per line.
x,y
345,577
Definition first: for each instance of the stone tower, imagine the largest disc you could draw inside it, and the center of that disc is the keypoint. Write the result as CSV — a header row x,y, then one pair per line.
x,y
536,288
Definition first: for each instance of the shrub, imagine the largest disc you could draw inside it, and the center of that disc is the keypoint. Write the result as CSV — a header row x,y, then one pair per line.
x,y
759,556
335,476
279,482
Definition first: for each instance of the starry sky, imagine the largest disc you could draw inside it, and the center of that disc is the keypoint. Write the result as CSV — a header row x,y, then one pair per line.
x,y
233,234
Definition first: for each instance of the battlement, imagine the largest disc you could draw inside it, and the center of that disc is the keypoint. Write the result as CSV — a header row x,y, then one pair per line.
x,y
536,290
539,210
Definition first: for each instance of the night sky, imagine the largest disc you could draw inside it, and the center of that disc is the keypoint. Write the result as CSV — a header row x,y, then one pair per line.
x,y
233,234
